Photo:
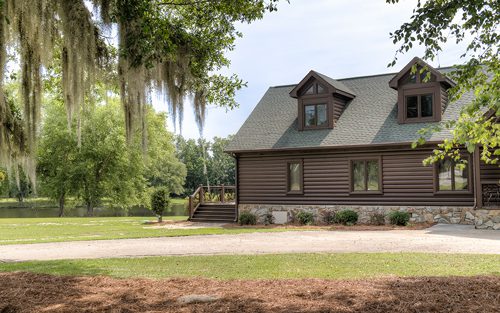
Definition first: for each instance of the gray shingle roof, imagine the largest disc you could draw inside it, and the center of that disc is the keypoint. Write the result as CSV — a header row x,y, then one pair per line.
x,y
370,118
335,83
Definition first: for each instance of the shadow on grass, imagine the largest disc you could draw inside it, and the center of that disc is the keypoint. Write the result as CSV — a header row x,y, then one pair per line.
x,y
30,292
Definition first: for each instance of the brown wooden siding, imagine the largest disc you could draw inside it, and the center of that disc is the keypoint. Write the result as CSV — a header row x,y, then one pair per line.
x,y
444,98
405,181
490,172
338,106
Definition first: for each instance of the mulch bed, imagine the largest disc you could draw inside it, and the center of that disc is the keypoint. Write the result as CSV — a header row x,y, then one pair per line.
x,y
360,227
28,292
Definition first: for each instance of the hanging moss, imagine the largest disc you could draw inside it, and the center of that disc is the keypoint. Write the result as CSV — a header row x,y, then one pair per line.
x,y
164,50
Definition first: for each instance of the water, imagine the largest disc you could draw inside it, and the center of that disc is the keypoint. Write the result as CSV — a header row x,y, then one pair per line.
x,y
79,211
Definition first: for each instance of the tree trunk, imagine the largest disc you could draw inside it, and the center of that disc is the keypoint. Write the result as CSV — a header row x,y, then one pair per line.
x,y
90,209
61,205
160,218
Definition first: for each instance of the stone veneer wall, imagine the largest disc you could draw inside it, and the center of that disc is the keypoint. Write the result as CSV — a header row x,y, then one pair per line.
x,y
418,214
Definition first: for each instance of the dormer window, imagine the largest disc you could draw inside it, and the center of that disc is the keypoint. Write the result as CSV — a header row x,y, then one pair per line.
x,y
320,101
421,93
419,106
315,115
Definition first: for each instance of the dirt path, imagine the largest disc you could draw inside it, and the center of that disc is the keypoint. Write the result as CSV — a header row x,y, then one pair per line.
x,y
28,292
439,238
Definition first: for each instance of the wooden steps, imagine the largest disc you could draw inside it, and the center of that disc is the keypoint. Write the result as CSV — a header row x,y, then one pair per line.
x,y
215,213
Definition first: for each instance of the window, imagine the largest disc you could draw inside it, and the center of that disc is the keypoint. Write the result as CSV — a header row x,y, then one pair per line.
x,y
365,175
419,106
294,176
315,115
451,177
314,88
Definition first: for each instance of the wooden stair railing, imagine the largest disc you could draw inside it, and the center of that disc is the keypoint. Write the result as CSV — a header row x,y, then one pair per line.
x,y
211,195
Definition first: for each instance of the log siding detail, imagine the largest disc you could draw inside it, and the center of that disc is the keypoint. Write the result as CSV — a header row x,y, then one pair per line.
x,y
405,181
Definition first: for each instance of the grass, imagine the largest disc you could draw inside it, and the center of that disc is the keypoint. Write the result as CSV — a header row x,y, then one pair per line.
x,y
274,266
36,230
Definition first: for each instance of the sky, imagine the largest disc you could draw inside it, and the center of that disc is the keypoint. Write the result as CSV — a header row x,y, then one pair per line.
x,y
338,38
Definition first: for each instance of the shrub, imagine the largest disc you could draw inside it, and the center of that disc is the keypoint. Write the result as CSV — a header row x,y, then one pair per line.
x,y
305,218
346,217
399,218
268,218
377,219
160,201
247,218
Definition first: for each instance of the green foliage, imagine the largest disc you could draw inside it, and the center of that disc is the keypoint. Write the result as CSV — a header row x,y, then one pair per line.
x,y
247,218
474,23
160,201
399,218
105,164
346,217
162,168
305,218
268,218
220,166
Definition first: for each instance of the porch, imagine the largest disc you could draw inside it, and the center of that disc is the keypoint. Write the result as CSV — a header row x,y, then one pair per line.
x,y
213,204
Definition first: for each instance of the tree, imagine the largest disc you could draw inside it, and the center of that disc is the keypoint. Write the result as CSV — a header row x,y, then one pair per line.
x,y
162,167
190,152
476,24
196,155
57,155
105,166
159,202
222,166
174,47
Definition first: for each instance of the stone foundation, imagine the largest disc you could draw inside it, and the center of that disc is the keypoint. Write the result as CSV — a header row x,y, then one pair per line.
x,y
487,219
418,214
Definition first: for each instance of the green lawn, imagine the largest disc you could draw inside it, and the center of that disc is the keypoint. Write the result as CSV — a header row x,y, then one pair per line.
x,y
35,230
277,266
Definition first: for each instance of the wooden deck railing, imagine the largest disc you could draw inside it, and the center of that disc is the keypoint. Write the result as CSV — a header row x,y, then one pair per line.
x,y
212,195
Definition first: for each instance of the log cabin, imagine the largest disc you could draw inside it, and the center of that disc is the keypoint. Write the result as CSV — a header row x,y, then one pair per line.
x,y
325,145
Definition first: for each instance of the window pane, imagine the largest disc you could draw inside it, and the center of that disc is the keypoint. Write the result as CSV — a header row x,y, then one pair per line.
x,y
310,90
461,175
322,118
444,175
358,175
321,89
410,78
294,176
426,105
310,115
411,107
373,175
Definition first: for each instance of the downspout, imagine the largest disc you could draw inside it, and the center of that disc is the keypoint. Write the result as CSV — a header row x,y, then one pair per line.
x,y
478,192
237,186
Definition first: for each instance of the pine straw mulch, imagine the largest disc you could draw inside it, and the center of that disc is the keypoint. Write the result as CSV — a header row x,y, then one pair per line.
x,y
28,292
357,227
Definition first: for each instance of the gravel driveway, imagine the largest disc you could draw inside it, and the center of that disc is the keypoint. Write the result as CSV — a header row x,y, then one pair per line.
x,y
439,238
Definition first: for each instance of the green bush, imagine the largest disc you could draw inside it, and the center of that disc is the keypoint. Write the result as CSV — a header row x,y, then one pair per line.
x,y
305,218
399,218
247,218
160,201
346,217
268,218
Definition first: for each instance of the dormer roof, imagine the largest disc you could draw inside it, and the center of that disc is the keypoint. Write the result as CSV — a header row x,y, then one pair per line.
x,y
333,86
393,83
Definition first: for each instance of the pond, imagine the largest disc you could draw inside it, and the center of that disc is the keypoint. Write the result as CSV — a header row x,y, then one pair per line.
x,y
15,211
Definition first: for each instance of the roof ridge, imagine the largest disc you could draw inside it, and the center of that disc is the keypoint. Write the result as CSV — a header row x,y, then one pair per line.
x,y
359,77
